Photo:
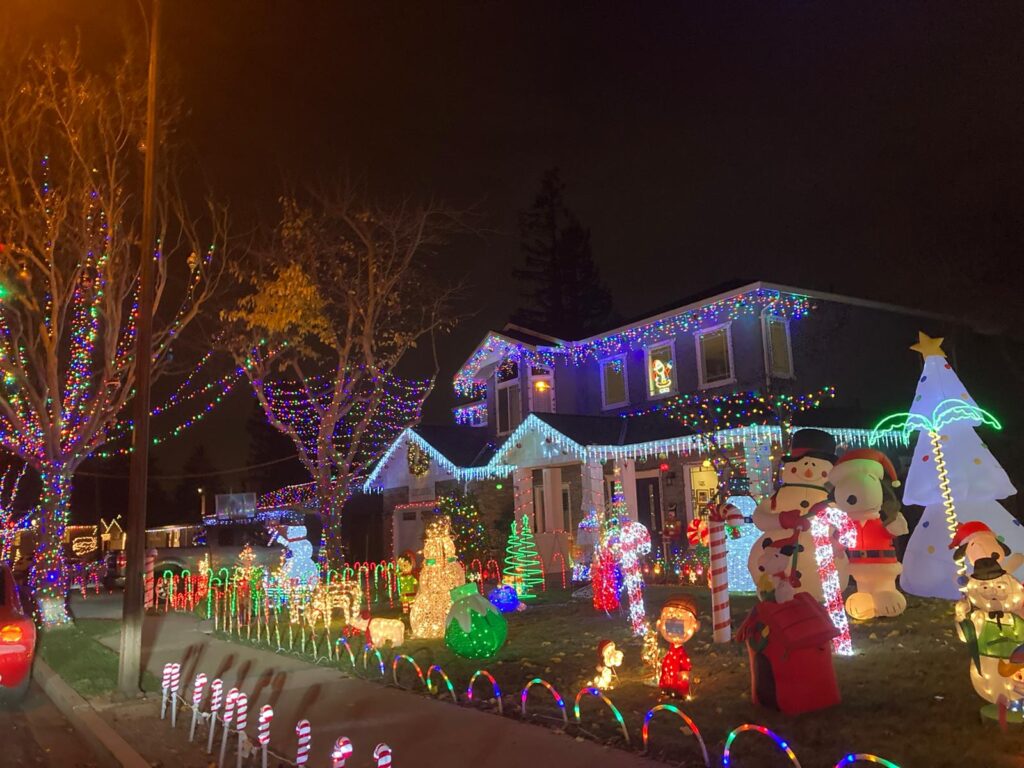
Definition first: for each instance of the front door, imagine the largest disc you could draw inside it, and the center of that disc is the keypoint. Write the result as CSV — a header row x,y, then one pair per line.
x,y
648,503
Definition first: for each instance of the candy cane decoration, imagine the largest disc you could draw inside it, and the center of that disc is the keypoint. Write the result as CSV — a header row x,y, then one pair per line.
x,y
635,540
825,517
382,754
720,515
175,684
197,698
303,731
241,721
165,689
216,696
229,715
263,731
342,751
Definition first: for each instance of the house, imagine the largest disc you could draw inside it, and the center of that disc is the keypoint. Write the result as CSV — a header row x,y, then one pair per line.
x,y
547,425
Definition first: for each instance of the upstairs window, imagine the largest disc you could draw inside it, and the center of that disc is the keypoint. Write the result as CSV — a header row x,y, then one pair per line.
x,y
542,390
613,382
661,370
714,356
777,350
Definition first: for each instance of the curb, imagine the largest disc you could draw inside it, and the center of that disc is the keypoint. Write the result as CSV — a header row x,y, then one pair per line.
x,y
110,748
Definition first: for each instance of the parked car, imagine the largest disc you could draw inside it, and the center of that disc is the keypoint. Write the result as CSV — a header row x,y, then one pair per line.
x,y
17,640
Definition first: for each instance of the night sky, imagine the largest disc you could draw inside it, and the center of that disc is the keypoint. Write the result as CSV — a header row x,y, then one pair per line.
x,y
870,148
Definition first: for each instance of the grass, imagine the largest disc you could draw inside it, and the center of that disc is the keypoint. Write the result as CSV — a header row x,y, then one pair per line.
x,y
85,664
906,693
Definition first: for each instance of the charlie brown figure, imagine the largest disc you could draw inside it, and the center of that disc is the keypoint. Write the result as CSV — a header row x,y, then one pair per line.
x,y
677,623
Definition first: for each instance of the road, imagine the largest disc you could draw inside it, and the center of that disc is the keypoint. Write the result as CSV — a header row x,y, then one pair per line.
x,y
36,734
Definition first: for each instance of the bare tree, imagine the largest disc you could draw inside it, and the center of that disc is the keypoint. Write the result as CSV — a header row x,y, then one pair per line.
x,y
340,298
69,260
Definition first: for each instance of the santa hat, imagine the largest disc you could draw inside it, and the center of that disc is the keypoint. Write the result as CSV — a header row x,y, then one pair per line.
x,y
868,454
965,530
602,645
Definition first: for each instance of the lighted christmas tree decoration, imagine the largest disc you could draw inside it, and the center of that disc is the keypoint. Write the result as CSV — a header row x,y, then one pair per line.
x,y
677,624
522,563
468,529
474,629
440,574
953,475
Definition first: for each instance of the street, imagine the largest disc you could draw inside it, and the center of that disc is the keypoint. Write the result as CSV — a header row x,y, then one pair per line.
x,y
35,733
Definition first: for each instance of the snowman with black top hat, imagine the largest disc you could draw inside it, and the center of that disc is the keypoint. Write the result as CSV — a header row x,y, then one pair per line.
x,y
786,514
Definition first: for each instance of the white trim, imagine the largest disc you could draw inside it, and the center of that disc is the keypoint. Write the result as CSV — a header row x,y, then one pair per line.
x,y
767,318
549,377
697,336
671,344
498,388
606,406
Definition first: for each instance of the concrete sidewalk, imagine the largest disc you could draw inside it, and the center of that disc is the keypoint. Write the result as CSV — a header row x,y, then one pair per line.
x,y
423,732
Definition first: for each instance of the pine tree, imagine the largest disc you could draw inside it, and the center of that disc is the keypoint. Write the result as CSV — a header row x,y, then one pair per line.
x,y
560,282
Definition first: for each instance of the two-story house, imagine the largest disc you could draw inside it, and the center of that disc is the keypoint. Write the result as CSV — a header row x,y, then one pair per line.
x,y
547,424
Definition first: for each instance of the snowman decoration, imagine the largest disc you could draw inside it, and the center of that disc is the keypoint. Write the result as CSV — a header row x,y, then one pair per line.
x,y
786,515
297,566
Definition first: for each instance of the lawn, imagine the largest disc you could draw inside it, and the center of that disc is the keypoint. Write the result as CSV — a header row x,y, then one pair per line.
x,y
906,693
82,661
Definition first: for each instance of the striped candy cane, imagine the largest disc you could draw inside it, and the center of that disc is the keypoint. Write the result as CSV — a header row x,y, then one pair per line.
x,y
197,698
165,688
229,715
263,730
303,732
216,697
824,518
241,721
382,754
175,684
721,618
342,751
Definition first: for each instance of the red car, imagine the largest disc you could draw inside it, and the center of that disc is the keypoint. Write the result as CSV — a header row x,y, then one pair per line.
x,y
17,640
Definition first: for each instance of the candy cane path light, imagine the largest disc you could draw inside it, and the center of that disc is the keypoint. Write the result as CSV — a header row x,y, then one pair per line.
x,y
551,689
341,753
781,743
689,724
303,733
608,702
494,687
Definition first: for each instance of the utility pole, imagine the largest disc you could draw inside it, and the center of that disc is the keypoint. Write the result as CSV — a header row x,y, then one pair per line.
x,y
129,670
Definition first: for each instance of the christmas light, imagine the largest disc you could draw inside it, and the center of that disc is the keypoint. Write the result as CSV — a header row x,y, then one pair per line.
x,y
474,629
682,715
550,689
615,710
781,743
472,415
823,521
634,541
495,690
430,681
851,758
441,572
408,660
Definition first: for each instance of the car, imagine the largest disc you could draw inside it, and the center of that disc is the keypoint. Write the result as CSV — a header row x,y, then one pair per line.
x,y
17,640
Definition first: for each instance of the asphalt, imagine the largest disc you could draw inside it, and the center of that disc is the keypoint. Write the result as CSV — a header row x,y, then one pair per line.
x,y
34,733
422,731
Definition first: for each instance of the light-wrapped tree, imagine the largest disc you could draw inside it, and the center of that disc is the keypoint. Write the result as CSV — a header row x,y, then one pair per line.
x,y
72,148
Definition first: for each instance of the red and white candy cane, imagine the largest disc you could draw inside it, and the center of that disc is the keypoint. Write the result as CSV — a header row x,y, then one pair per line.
x,y
175,684
216,697
241,722
165,688
825,517
197,698
382,754
229,715
720,515
263,731
342,751
304,733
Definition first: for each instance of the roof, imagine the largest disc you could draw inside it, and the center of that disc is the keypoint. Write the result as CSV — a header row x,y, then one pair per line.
x,y
462,445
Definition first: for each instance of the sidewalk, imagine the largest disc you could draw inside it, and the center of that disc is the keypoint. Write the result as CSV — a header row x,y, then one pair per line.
x,y
423,732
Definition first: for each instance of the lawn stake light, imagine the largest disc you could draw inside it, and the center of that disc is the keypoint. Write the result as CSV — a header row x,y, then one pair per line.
x,y
197,698
216,697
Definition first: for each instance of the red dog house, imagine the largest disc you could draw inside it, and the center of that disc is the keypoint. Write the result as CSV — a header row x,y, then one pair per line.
x,y
790,649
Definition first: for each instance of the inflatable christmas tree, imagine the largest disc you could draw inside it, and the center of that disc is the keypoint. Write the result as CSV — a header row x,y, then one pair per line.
x,y
953,475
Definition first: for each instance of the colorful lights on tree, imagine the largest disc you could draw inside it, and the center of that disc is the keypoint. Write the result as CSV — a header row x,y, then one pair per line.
x,y
470,533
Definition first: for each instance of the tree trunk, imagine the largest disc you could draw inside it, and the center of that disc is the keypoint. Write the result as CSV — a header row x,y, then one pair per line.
x,y
332,551
48,577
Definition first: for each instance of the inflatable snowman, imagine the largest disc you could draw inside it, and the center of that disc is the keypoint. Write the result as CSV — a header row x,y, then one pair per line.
x,y
784,517
299,567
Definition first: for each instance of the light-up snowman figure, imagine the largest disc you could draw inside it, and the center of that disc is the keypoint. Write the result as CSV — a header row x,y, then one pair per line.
x,y
297,566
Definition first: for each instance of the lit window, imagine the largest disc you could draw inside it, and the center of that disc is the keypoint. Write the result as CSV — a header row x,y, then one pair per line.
x,y
613,382
542,391
714,356
777,350
509,407
661,370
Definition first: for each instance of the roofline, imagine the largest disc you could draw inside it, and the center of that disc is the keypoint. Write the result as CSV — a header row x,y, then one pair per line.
x,y
538,334
841,298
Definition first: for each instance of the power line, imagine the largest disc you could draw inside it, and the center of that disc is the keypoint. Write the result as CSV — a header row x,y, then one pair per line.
x,y
195,474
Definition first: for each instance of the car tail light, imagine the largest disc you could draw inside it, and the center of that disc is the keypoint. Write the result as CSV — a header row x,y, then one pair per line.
x,y
11,633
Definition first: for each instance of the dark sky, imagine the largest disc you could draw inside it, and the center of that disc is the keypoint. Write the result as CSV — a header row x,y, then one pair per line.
x,y
872,148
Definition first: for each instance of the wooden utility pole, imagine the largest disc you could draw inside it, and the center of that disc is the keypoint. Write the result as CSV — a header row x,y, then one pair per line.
x,y
129,671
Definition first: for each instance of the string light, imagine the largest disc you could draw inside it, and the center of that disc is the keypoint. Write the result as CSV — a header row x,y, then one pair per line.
x,y
597,693
823,521
524,694
781,743
683,716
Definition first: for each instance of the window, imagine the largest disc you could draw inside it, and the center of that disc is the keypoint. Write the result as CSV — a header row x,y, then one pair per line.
x,y
509,407
542,391
777,351
714,356
613,382
661,370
